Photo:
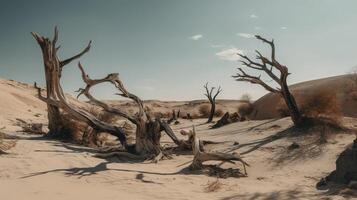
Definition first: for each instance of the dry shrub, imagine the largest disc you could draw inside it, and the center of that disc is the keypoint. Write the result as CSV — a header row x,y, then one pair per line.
x,y
353,95
218,113
195,116
204,110
213,186
322,104
245,109
246,98
282,109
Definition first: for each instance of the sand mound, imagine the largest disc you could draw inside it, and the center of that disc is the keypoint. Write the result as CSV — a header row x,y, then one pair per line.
x,y
343,86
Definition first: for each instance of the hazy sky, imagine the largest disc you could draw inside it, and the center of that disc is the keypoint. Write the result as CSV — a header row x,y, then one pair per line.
x,y
166,49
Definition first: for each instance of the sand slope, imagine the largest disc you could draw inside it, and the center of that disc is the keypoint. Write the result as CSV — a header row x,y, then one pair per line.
x,y
40,169
343,86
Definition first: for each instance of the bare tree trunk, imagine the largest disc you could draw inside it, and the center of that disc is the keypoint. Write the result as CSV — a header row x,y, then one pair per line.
x,y
289,99
212,100
213,111
148,138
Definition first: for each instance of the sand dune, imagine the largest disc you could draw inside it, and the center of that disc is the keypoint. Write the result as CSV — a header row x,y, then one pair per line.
x,y
43,169
341,85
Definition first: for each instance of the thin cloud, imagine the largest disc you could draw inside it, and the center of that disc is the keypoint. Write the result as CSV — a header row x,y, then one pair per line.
x,y
196,37
284,28
230,54
253,16
217,45
245,35
257,27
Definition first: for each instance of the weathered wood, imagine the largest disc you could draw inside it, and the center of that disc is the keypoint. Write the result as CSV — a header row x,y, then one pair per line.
x,y
227,118
148,131
212,99
201,157
268,66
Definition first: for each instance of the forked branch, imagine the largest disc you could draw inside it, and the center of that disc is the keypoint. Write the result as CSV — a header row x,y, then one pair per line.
x,y
270,66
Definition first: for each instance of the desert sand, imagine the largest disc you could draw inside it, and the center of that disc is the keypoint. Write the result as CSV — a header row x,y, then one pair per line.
x,y
343,86
37,168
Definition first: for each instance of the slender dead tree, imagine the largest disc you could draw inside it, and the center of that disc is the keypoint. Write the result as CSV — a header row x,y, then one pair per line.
x,y
212,99
148,131
270,67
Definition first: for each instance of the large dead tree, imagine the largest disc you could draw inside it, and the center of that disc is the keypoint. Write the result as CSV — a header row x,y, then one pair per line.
x,y
148,131
212,99
270,67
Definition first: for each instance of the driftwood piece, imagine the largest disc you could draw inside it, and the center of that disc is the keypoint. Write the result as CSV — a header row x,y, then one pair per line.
x,y
227,118
200,157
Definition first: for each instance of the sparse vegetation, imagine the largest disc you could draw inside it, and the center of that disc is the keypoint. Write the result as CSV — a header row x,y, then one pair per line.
x,y
218,113
245,109
213,186
204,110
322,104
246,98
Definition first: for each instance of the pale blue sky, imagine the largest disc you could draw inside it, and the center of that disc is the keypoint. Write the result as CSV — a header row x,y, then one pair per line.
x,y
166,49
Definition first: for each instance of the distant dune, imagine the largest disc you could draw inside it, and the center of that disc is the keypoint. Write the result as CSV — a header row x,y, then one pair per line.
x,y
18,100
266,106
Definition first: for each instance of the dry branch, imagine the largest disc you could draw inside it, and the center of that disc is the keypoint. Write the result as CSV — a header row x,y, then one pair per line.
x,y
200,157
270,67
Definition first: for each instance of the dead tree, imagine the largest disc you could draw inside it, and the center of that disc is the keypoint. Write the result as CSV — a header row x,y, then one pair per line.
x,y
200,156
212,99
270,66
148,131
53,70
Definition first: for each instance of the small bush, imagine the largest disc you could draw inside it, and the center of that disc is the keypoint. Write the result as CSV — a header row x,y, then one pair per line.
x,y
204,110
218,113
246,98
322,104
245,109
